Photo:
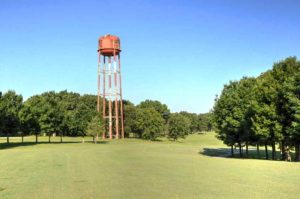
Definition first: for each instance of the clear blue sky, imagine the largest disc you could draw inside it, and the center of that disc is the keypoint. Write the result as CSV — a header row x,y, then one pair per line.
x,y
178,52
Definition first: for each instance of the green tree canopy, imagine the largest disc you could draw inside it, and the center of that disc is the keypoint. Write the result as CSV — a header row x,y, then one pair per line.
x,y
130,116
162,109
95,127
264,110
232,112
178,126
149,123
10,105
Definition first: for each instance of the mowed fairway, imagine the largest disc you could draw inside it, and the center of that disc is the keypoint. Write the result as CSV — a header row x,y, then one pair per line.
x,y
134,168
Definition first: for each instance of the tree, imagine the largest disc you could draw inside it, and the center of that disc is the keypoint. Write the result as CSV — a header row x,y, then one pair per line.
x,y
204,122
246,95
1,113
178,126
86,110
10,105
162,109
30,114
29,121
95,126
51,115
232,113
265,120
194,121
281,75
292,93
149,123
227,117
68,104
130,116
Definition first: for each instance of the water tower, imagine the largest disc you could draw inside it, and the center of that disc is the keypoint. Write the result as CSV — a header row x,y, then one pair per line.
x,y
109,66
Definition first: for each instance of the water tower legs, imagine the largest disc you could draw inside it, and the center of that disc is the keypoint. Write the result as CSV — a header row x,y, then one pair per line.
x,y
116,97
109,99
112,95
104,98
121,97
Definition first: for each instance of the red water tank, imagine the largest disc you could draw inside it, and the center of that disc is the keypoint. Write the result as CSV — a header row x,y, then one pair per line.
x,y
108,44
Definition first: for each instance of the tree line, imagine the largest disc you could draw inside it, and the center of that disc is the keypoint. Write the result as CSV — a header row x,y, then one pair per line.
x,y
71,114
262,111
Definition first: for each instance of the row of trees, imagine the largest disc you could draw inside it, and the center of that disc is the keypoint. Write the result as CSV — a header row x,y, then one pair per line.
x,y
152,119
71,114
262,111
63,113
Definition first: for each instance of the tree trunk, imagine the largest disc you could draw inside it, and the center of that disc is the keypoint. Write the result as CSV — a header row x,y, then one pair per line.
x,y
7,138
240,148
273,151
49,138
297,151
36,138
22,138
247,152
257,150
283,151
266,149
231,150
61,138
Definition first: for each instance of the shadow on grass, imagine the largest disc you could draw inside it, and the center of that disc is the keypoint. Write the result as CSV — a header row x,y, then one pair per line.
x,y
216,152
252,153
157,140
20,144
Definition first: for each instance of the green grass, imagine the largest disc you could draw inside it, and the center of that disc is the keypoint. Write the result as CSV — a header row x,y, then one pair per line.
x,y
134,168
